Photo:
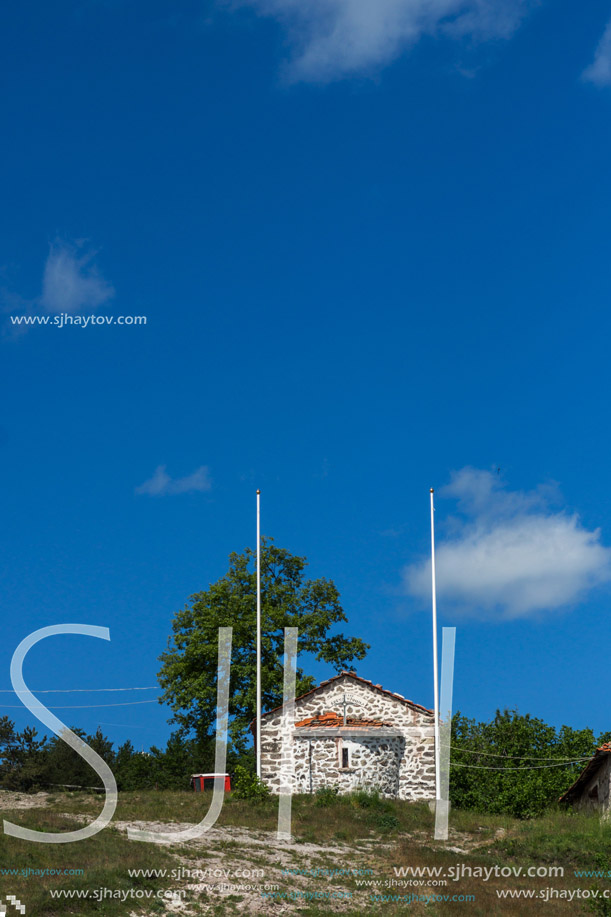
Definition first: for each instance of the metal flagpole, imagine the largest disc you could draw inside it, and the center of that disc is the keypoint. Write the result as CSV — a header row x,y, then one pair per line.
x,y
258,726
435,660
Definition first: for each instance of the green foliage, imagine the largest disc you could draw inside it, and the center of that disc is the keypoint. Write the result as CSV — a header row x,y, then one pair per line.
x,y
378,811
158,769
137,770
30,763
599,904
368,799
387,822
326,796
511,773
62,765
23,756
246,785
189,667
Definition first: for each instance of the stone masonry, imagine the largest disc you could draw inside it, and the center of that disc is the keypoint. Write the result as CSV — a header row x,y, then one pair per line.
x,y
592,789
386,742
595,794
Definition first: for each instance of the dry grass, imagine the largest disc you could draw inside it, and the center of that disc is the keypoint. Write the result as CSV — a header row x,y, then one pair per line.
x,y
330,833
104,859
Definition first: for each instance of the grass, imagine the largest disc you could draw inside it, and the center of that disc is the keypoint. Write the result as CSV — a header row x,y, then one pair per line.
x,y
567,837
361,830
314,818
105,860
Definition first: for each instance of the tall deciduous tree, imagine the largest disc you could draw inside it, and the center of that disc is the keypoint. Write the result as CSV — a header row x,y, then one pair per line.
x,y
188,674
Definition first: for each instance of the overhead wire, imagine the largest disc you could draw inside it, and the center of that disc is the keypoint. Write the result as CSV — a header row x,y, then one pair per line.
x,y
527,767
506,757
78,691
129,703
75,690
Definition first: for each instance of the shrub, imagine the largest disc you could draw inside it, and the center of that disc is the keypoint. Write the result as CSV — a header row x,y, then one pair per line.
x,y
368,799
247,785
326,796
387,822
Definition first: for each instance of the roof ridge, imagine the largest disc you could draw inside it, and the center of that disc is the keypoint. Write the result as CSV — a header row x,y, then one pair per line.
x,y
365,681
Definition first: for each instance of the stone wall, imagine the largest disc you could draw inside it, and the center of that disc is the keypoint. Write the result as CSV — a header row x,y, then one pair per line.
x,y
597,792
398,765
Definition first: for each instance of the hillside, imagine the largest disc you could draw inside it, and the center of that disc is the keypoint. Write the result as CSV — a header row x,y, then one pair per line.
x,y
349,856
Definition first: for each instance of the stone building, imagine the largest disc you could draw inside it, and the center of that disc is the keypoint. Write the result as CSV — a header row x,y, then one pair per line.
x,y
591,790
349,733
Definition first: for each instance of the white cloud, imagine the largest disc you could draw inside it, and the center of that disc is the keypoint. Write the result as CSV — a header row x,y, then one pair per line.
x,y
162,485
510,554
71,281
331,39
599,71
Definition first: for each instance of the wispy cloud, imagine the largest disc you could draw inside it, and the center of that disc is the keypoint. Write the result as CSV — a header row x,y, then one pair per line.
x,y
71,280
162,485
331,39
599,71
509,553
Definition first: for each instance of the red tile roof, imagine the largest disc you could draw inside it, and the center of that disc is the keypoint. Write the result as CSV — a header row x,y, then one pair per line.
x,y
362,681
334,720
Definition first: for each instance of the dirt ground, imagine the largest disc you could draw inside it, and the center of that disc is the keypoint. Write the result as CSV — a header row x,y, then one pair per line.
x,y
237,871
10,800
234,865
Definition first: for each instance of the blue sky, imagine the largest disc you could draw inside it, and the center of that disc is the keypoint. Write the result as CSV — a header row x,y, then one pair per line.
x,y
372,245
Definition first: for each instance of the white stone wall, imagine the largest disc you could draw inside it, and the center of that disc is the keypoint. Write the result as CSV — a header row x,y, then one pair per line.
x,y
400,765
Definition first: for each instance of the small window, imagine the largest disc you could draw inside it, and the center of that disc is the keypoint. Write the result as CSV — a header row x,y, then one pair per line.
x,y
345,758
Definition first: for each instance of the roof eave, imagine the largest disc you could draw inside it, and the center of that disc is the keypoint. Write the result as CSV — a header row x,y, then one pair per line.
x,y
356,677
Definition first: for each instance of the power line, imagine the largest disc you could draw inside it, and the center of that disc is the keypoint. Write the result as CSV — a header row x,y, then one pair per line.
x,y
129,703
512,757
129,726
529,767
75,690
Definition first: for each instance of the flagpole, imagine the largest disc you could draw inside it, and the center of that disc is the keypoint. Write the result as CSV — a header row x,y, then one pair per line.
x,y
258,726
435,660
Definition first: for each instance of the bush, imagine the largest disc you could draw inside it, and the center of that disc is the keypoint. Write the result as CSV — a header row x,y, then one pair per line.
x,y
247,785
387,822
326,796
368,799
